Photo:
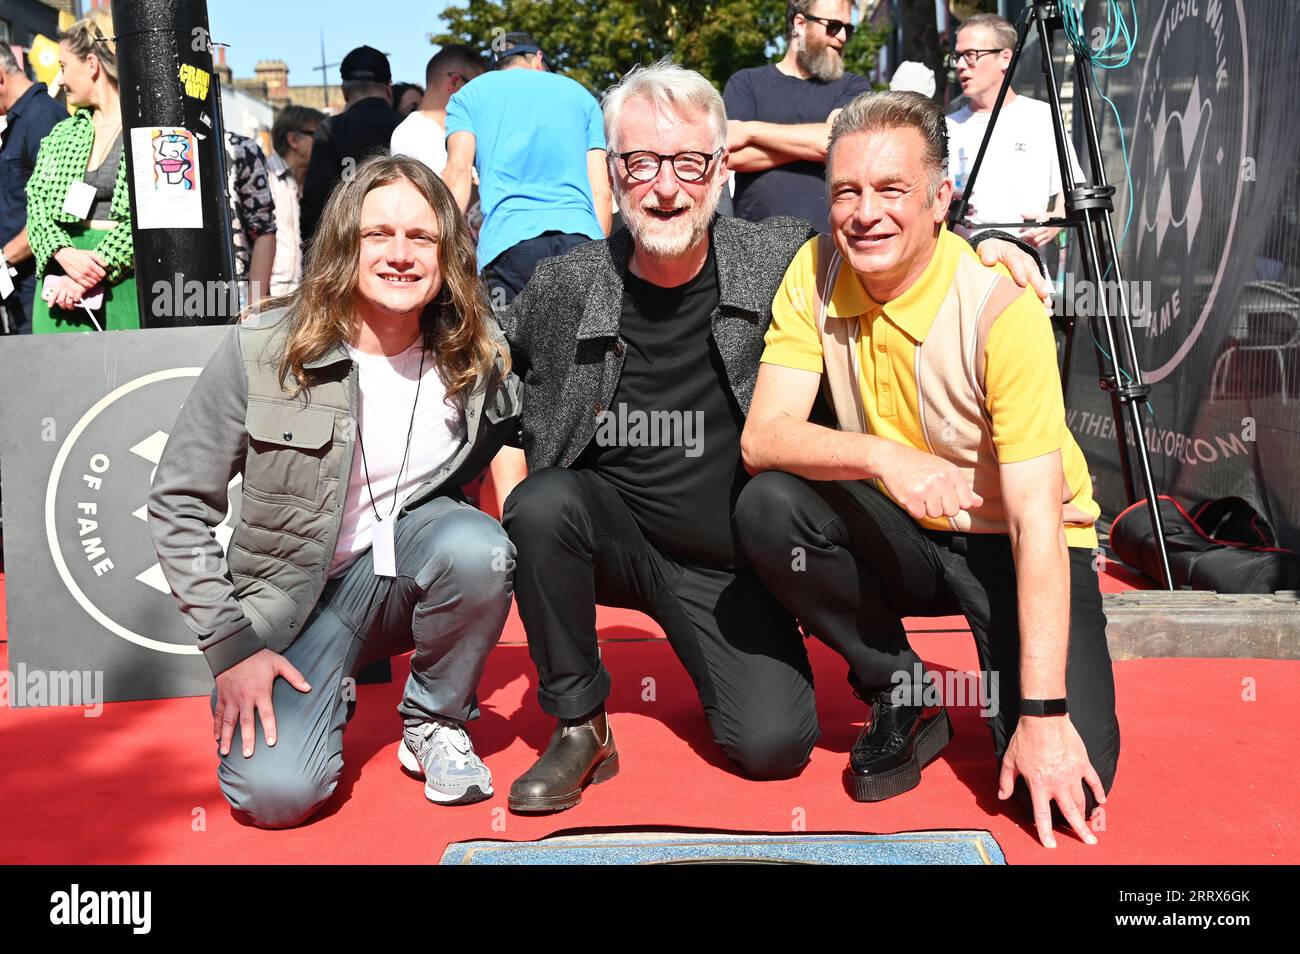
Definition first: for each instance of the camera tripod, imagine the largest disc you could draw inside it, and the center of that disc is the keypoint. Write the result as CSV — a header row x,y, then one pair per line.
x,y
1087,210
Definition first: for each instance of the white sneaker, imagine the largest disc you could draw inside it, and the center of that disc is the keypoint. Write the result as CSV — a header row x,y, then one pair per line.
x,y
442,755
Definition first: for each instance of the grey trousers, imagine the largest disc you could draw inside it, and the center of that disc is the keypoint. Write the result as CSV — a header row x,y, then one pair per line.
x,y
449,601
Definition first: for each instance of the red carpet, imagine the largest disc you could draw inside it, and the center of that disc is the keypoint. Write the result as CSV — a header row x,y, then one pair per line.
x,y
1204,776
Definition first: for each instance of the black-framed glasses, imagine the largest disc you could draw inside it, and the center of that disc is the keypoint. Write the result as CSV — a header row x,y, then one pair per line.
x,y
643,165
833,26
970,56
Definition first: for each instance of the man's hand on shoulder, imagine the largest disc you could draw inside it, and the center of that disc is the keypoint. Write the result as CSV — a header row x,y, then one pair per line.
x,y
1022,266
245,688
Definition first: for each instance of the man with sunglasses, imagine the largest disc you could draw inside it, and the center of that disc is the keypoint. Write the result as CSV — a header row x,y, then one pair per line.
x,y
639,356
1020,179
422,135
780,115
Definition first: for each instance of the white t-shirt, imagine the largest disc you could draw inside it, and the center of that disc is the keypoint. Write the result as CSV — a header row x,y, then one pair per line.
x,y
1020,173
387,385
286,273
421,138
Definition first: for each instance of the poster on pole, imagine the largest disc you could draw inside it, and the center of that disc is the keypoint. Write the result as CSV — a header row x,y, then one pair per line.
x,y
166,178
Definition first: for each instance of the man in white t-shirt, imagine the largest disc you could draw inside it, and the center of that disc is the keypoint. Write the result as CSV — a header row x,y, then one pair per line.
x,y
354,413
291,141
1020,179
423,133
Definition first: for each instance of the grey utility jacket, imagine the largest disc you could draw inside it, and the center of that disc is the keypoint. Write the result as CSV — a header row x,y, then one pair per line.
x,y
295,455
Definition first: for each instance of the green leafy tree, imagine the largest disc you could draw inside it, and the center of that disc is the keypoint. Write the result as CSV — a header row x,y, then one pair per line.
x,y
596,41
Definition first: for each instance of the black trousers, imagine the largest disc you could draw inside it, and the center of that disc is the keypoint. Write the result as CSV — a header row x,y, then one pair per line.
x,y
850,563
507,274
579,545
18,306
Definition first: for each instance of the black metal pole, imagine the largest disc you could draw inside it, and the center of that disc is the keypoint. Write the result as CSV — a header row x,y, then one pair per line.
x,y
183,265
1129,385
1091,207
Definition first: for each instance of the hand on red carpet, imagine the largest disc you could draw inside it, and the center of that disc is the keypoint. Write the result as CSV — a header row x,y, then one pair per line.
x,y
244,689
1048,753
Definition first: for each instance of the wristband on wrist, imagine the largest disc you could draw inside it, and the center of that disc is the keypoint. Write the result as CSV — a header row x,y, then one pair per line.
x,y
1043,707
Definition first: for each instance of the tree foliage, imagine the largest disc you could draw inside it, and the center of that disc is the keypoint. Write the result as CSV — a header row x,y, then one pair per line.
x,y
596,41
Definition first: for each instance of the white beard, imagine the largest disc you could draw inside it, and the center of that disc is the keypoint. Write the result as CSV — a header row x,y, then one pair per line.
x,y
668,239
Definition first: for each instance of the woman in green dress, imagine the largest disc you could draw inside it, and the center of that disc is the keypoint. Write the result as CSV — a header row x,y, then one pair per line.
x,y
79,219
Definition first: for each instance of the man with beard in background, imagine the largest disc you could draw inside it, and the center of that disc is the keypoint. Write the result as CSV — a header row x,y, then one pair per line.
x,y
780,115
639,356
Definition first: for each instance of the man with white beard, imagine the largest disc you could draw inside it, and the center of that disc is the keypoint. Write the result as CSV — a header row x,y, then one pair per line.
x,y
667,316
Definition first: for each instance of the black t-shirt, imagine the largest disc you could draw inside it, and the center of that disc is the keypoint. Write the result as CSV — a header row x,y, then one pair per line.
x,y
344,141
670,444
766,94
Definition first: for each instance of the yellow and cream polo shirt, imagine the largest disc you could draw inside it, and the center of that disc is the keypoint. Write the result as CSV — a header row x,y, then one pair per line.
x,y
962,365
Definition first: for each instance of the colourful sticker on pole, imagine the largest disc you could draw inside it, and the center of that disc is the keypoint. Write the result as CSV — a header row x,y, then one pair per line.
x,y
165,171
195,81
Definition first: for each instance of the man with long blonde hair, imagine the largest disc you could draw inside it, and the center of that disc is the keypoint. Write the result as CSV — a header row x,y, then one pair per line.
x,y
354,409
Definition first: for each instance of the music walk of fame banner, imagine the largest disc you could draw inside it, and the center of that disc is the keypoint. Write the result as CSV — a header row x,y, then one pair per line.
x,y
1211,240
86,417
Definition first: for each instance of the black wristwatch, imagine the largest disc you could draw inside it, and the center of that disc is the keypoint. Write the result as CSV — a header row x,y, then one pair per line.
x,y
1043,707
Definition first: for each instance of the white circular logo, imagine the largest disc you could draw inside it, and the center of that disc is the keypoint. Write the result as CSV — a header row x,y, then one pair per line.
x,y
95,517
1189,165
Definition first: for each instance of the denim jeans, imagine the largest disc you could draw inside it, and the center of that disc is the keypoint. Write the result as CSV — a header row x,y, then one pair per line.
x,y
449,602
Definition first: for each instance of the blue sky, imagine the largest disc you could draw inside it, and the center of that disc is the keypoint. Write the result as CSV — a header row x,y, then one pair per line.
x,y
290,30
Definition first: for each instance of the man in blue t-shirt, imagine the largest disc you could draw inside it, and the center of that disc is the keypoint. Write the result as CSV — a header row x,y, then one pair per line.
x,y
538,142
780,115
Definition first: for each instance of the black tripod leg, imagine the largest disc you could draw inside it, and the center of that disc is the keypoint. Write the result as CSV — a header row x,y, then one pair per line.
x,y
1067,355
1137,389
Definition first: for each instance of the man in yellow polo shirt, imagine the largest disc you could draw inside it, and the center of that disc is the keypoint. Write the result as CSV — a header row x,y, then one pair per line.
x,y
947,483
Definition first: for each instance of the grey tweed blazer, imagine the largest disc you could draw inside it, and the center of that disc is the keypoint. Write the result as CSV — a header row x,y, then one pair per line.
x,y
563,328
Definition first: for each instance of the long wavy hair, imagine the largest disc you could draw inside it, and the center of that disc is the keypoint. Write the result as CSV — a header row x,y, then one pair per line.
x,y
320,313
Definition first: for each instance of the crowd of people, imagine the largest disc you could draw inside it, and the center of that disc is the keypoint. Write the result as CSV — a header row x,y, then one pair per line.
x,y
497,269
531,178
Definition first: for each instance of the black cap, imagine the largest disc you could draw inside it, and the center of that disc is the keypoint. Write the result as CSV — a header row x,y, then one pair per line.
x,y
365,64
518,43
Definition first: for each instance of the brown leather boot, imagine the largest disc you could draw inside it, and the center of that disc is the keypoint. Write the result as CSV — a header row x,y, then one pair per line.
x,y
581,752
